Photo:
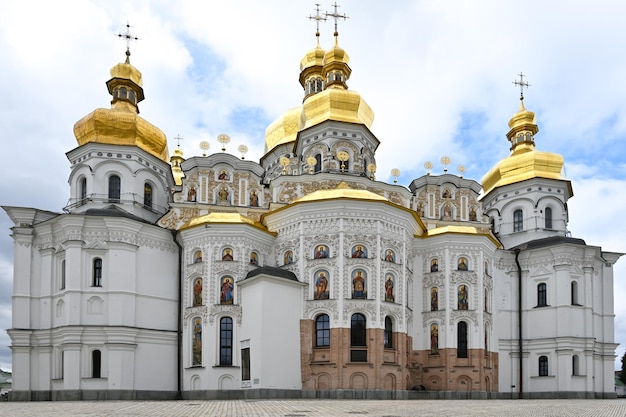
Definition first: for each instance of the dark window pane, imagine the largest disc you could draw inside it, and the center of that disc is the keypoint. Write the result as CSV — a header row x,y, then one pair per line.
x,y
358,330
461,340
226,341
322,331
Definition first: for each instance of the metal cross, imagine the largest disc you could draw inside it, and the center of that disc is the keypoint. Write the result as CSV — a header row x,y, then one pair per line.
x,y
128,37
521,84
178,139
335,16
317,19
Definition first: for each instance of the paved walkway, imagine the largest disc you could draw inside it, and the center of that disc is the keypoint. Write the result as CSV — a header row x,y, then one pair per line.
x,y
321,408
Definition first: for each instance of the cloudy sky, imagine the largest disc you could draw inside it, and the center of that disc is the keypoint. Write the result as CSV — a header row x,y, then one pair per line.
x,y
438,75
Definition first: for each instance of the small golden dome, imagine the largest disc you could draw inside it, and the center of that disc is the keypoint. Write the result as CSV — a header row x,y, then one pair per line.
x,y
524,162
126,71
336,55
121,124
313,58
283,130
223,218
342,190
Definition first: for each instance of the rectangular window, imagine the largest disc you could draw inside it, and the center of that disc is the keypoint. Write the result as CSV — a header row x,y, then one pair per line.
x,y
226,341
245,364
542,295
518,221
358,355
543,366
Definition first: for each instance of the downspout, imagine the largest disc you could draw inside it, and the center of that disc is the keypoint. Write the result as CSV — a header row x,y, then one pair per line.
x,y
519,324
179,386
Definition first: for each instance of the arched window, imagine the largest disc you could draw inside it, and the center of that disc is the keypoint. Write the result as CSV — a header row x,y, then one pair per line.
x,y
388,335
82,190
358,338
548,218
322,331
575,370
542,295
147,195
62,282
96,363
574,291
97,273
461,348
543,366
114,189
318,163
226,341
518,220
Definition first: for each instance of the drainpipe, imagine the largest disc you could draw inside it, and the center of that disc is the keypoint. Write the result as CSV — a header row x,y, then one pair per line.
x,y
519,324
179,387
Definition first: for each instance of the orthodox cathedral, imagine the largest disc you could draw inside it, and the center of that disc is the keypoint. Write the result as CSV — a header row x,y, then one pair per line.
x,y
301,275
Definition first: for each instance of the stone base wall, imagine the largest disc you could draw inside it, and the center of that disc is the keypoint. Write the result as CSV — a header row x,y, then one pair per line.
x,y
344,367
444,371
93,395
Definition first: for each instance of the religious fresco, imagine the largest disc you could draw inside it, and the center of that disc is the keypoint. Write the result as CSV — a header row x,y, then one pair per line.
x,y
434,299
434,338
359,284
321,285
359,251
227,290
390,256
434,265
197,292
227,254
254,258
462,303
462,264
196,342
197,257
321,251
389,288
288,257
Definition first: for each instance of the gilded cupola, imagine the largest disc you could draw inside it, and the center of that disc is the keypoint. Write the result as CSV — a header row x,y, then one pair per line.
x,y
525,162
312,63
121,124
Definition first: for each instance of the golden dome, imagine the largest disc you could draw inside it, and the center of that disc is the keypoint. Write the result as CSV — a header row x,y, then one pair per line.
x,y
126,71
121,124
313,58
336,104
336,55
223,218
342,190
525,162
283,130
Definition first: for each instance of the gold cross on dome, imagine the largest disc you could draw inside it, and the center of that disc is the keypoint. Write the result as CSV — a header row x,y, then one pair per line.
x,y
317,19
521,84
335,15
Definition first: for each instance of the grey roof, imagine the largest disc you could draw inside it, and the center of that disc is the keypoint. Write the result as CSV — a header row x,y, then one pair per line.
x,y
550,241
272,271
113,211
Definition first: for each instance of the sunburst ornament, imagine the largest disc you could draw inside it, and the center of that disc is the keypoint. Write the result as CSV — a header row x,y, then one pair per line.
x,y
204,146
429,166
223,138
243,149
